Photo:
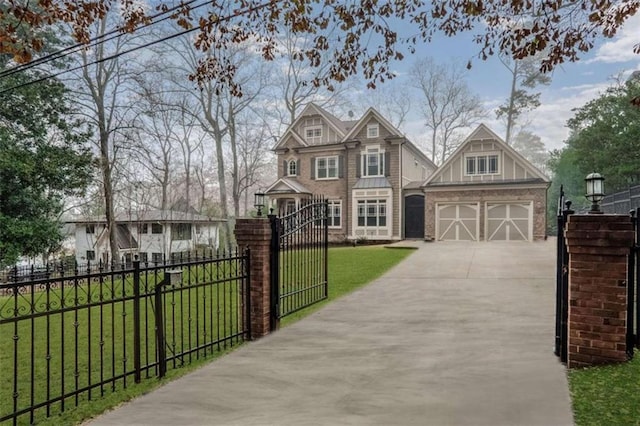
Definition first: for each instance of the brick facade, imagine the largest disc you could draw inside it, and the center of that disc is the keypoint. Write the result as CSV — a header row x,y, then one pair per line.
x,y
538,195
256,235
598,247
349,147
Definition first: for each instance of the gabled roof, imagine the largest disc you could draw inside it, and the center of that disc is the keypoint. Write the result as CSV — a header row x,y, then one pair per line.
x,y
365,118
286,186
313,109
483,132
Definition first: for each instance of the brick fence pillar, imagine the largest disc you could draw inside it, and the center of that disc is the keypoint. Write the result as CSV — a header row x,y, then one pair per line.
x,y
598,247
255,233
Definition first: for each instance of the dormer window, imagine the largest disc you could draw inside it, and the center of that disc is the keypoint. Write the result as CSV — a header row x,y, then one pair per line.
x,y
372,130
313,134
292,168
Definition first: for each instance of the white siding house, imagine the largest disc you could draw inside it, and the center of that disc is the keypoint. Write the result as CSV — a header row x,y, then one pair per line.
x,y
152,235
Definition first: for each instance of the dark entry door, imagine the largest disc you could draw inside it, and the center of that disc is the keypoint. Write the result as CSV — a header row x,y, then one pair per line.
x,y
414,216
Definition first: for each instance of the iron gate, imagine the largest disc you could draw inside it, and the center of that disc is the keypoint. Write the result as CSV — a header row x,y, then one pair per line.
x,y
562,280
562,284
299,250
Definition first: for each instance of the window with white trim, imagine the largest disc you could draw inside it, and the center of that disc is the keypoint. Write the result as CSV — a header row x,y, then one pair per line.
x,y
327,167
313,134
373,130
372,213
292,168
335,213
373,162
482,164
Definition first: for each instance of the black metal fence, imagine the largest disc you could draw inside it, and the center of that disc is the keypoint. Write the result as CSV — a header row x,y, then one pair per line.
x,y
69,338
622,202
299,258
562,280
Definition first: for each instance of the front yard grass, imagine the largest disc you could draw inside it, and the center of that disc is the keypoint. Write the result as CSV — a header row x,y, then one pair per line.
x,y
349,269
607,395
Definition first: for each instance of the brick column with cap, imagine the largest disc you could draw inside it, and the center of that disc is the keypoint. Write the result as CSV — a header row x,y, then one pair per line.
x,y
255,233
598,246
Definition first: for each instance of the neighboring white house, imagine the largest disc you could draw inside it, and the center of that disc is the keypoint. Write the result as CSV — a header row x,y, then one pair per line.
x,y
152,235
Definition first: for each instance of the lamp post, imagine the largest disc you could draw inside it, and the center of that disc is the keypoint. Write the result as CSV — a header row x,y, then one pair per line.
x,y
258,202
595,191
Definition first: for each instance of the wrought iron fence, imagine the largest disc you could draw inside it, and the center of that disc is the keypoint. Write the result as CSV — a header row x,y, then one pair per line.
x,y
65,338
299,250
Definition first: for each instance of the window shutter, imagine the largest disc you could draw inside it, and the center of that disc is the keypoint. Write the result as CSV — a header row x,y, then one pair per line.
x,y
358,165
285,170
341,166
313,167
387,163
298,168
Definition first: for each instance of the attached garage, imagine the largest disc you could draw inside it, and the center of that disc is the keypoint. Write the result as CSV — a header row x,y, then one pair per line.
x,y
485,191
509,221
457,222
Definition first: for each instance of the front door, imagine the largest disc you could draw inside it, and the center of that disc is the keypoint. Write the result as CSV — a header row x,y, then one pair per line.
x,y
414,216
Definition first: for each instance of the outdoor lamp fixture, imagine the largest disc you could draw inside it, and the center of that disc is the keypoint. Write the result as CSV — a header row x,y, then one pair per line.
x,y
595,191
259,202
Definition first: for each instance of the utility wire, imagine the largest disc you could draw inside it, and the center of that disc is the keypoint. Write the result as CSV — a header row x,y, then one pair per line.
x,y
133,49
95,41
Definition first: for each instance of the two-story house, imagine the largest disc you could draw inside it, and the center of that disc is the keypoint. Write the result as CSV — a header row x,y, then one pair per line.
x,y
153,235
368,170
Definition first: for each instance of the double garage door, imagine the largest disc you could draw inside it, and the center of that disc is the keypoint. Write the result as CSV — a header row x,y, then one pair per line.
x,y
502,221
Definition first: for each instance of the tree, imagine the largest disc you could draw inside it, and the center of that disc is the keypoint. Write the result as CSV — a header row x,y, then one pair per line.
x,y
532,148
100,91
355,37
605,136
446,102
524,74
41,161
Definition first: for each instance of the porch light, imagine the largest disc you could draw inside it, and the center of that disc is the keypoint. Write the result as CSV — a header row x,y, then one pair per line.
x,y
259,202
595,191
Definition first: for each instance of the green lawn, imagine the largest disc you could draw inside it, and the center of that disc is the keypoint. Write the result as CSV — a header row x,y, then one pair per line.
x,y
608,395
87,339
351,268
80,331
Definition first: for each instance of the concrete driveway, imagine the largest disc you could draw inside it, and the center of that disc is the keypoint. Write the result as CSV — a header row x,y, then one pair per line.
x,y
457,334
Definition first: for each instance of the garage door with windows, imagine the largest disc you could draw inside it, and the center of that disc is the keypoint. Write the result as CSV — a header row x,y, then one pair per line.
x,y
509,221
457,222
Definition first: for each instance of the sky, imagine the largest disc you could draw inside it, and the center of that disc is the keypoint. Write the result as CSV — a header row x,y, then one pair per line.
x,y
572,85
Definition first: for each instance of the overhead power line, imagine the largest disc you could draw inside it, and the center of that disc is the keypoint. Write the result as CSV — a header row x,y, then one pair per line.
x,y
133,49
95,41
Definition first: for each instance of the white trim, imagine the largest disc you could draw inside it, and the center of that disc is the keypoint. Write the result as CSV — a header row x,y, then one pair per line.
x,y
288,171
339,203
477,155
372,232
327,158
364,163
314,139
374,126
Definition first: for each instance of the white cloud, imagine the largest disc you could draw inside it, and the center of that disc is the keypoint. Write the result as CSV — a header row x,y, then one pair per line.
x,y
620,49
550,119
